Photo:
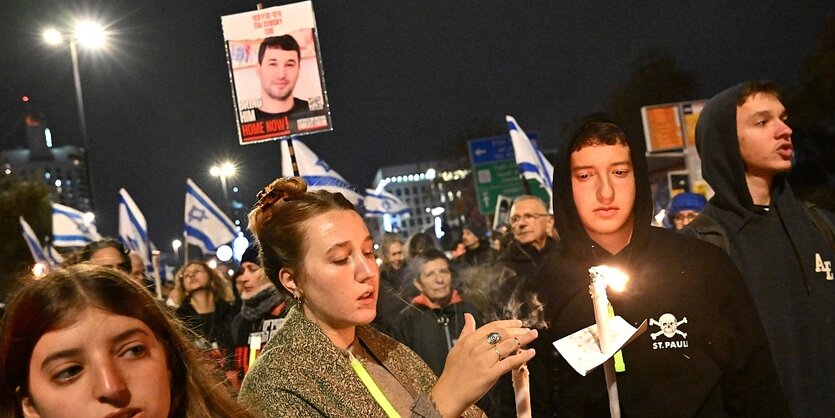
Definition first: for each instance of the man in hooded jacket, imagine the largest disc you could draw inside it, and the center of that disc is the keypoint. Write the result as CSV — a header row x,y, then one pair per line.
x,y
709,358
780,246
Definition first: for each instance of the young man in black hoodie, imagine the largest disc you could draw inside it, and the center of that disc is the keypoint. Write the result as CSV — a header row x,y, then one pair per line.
x,y
714,361
781,247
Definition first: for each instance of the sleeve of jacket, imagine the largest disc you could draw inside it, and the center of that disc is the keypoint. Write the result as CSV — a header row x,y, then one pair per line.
x,y
750,384
401,328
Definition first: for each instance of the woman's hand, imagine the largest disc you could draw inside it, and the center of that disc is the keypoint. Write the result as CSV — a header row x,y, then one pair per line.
x,y
476,362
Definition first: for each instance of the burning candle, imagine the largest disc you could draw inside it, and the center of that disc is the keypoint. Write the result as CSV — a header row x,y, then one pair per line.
x,y
521,387
601,278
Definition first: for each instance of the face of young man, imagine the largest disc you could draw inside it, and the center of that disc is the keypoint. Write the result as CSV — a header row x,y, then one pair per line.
x,y
279,71
764,138
603,187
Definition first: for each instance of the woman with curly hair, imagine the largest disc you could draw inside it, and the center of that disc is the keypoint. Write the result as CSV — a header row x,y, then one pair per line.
x,y
204,308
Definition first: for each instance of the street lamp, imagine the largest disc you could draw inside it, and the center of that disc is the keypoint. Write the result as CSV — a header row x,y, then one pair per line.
x,y
90,35
224,170
176,244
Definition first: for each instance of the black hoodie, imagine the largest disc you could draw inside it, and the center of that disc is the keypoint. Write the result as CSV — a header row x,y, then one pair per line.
x,y
778,252
718,364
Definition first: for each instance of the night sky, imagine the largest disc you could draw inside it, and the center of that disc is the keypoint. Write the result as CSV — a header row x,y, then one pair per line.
x,y
404,78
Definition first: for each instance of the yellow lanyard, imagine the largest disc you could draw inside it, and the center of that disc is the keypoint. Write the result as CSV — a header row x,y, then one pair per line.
x,y
372,387
620,365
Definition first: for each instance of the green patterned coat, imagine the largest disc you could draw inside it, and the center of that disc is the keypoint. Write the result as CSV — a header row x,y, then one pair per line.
x,y
302,374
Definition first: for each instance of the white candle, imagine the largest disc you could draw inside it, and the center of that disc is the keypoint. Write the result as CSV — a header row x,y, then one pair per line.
x,y
521,387
601,277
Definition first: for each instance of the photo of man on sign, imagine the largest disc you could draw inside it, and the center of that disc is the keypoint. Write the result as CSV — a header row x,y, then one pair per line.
x,y
279,58
275,68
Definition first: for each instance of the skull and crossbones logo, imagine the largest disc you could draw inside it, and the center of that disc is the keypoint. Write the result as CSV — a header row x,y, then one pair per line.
x,y
669,326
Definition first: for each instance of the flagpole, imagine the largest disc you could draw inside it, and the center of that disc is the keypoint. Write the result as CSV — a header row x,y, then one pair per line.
x,y
525,186
185,247
157,280
292,153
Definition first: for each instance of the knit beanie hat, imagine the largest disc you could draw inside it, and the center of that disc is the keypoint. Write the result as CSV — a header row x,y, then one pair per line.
x,y
251,254
686,201
479,230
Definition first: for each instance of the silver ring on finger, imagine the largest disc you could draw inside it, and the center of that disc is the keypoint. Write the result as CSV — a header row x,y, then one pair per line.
x,y
493,338
496,349
518,344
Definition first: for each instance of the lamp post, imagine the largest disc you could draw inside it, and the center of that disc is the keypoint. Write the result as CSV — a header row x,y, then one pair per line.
x,y
90,35
176,244
223,170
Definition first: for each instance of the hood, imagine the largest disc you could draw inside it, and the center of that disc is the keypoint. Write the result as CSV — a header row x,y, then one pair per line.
x,y
722,166
718,146
422,300
573,236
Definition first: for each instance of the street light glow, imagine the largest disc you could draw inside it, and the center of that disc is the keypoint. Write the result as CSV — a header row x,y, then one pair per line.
x,y
88,217
228,169
87,33
90,34
52,36
225,169
176,244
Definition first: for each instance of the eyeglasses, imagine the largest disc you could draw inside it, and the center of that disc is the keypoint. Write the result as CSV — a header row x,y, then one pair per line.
x,y
527,217
681,217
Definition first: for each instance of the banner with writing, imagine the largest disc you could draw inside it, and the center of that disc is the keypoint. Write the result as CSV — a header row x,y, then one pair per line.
x,y
275,67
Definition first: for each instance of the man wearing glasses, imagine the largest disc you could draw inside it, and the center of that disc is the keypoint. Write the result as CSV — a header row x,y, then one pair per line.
x,y
533,231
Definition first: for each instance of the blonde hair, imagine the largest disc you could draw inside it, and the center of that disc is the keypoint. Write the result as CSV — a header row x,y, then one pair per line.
x,y
278,222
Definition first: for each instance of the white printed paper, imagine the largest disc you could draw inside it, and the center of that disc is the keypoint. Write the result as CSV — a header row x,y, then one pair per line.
x,y
582,351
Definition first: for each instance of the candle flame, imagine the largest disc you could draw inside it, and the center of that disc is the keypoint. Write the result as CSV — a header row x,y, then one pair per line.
x,y
610,276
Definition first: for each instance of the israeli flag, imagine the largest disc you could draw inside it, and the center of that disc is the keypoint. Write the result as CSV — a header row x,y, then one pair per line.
x,y
380,203
532,164
54,257
33,243
133,230
69,229
315,172
206,225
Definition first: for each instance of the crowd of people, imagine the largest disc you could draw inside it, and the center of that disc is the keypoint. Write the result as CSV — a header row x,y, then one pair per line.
x,y
318,321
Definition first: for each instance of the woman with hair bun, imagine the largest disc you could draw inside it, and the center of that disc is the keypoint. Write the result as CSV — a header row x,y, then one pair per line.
x,y
325,359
